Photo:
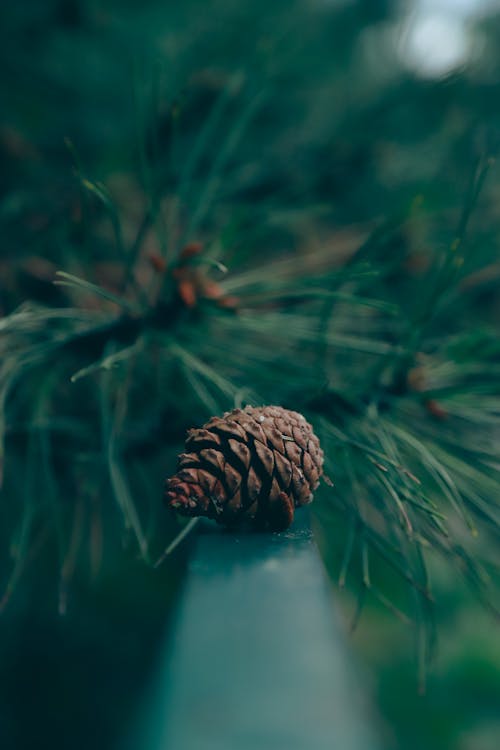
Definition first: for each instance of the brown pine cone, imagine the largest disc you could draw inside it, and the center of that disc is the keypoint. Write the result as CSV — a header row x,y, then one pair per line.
x,y
252,465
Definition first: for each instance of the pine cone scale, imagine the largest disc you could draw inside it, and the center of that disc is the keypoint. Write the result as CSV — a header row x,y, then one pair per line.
x,y
284,470
204,440
254,485
275,440
241,452
253,464
266,457
217,461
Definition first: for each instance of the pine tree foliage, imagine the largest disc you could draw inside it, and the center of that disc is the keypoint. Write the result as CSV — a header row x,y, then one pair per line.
x,y
231,280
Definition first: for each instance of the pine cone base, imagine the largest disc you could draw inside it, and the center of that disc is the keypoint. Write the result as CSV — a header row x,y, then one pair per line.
x,y
250,466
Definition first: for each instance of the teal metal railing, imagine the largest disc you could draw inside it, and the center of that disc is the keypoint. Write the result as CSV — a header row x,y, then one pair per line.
x,y
257,659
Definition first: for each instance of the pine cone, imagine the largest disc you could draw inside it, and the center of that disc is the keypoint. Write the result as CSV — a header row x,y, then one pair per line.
x,y
251,465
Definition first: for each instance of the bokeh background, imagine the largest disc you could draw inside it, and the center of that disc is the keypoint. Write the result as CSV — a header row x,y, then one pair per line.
x,y
268,130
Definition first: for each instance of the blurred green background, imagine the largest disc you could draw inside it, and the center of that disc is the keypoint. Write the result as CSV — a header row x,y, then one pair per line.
x,y
270,131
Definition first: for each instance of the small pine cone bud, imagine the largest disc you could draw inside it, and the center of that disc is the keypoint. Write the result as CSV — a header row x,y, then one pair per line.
x,y
252,465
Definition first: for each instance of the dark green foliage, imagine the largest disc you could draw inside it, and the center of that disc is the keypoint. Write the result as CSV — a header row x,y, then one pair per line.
x,y
351,210
375,339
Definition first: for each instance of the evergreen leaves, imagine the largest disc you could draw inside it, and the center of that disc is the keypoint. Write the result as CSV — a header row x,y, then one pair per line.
x,y
235,280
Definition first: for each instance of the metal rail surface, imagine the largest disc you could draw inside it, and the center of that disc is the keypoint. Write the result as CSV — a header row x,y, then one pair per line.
x,y
257,659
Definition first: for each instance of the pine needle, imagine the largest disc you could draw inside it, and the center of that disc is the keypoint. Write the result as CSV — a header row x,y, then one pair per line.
x,y
178,539
69,280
